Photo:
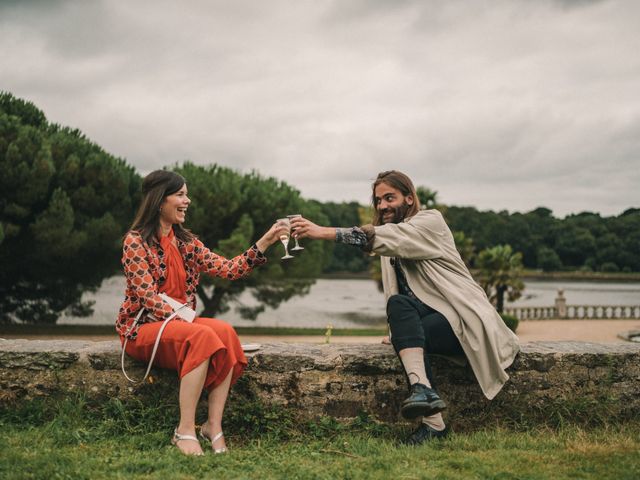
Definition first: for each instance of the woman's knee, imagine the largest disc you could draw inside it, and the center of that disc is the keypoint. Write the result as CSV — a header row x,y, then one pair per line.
x,y
223,330
201,333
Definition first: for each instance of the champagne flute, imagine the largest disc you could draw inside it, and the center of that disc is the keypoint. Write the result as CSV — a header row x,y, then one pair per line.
x,y
284,237
297,247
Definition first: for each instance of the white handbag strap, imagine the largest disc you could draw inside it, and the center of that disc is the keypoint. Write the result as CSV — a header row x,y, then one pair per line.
x,y
155,346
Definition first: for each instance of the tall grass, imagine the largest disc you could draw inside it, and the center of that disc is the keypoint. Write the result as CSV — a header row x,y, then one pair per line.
x,y
75,438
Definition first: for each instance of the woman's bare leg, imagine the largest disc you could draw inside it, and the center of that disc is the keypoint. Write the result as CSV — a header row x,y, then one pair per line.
x,y
190,391
217,400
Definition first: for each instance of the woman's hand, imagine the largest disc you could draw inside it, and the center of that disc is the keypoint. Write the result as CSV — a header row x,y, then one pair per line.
x,y
272,236
303,228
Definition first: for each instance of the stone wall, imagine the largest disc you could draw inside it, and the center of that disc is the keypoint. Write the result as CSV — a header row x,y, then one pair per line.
x,y
564,381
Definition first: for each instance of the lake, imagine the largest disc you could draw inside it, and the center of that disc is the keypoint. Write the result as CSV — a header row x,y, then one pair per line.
x,y
358,303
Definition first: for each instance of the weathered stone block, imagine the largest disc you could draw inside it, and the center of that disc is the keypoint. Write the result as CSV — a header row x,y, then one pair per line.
x,y
573,380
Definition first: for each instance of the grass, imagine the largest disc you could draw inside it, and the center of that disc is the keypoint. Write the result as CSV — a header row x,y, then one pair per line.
x,y
83,330
74,439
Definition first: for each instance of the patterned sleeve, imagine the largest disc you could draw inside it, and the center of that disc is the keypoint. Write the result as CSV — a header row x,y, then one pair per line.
x,y
139,278
233,269
357,236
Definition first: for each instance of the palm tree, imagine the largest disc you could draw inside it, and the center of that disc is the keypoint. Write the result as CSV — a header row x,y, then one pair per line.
x,y
499,273
465,247
428,198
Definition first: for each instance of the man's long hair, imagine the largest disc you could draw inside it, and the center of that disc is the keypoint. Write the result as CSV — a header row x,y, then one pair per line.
x,y
401,182
157,186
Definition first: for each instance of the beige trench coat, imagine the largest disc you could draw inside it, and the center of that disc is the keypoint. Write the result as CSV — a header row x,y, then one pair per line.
x,y
438,276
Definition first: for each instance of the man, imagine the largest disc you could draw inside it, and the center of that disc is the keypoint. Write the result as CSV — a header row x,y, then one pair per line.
x,y
433,304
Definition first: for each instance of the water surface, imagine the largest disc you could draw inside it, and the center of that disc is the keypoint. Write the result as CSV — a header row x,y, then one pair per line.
x,y
358,303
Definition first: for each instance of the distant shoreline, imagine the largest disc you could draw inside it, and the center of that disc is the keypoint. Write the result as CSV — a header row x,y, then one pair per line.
x,y
576,275
582,276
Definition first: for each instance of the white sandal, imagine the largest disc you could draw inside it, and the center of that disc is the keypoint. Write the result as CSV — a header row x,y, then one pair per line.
x,y
177,437
215,438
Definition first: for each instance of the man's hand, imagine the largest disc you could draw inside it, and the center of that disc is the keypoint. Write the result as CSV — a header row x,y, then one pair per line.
x,y
303,228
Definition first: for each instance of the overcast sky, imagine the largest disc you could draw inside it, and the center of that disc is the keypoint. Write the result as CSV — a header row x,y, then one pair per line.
x,y
496,104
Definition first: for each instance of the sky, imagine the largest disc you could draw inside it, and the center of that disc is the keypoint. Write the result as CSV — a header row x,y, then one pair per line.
x,y
501,105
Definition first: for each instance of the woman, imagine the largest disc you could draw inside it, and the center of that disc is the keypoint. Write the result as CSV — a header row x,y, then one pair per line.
x,y
160,256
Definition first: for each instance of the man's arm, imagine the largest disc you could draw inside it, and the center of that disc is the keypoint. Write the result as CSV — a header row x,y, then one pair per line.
x,y
323,233
356,236
303,228
420,238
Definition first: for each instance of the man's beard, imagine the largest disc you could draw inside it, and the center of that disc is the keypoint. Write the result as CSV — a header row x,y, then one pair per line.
x,y
399,213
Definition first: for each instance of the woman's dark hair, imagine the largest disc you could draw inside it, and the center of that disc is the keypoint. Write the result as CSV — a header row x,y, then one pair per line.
x,y
157,186
401,182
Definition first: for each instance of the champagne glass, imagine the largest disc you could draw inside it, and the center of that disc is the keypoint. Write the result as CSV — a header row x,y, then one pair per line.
x,y
297,247
284,237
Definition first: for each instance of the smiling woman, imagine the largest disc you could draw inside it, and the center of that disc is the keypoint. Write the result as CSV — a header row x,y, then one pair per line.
x,y
162,263
175,208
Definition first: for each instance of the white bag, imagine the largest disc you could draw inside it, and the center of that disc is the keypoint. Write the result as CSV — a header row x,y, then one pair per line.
x,y
182,310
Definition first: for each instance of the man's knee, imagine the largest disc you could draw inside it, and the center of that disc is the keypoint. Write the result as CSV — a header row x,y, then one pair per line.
x,y
397,300
397,306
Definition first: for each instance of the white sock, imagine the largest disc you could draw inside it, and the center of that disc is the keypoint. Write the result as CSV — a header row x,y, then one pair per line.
x,y
434,421
413,362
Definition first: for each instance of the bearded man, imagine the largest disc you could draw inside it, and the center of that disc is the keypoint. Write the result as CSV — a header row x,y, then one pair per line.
x,y
433,304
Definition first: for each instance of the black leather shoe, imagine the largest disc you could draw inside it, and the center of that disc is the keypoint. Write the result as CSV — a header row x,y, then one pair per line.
x,y
423,401
424,433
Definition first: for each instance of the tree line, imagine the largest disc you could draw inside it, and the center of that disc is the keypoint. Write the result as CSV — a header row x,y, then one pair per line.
x,y
585,241
65,204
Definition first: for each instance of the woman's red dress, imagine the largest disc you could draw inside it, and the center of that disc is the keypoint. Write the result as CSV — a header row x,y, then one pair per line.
x,y
185,345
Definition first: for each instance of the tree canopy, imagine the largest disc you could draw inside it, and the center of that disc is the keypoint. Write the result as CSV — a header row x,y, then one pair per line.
x,y
65,203
585,241
229,212
345,258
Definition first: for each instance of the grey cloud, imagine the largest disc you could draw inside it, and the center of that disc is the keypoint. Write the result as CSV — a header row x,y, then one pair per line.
x,y
514,106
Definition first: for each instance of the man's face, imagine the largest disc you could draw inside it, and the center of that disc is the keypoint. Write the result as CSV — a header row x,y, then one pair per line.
x,y
391,204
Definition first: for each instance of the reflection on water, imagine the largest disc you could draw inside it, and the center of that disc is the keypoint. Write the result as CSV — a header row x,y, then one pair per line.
x,y
358,303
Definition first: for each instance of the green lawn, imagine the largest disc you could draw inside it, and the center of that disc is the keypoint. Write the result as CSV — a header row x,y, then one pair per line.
x,y
71,439
82,330
43,452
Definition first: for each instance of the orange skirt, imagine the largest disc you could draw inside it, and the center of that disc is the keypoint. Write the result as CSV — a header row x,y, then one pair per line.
x,y
183,346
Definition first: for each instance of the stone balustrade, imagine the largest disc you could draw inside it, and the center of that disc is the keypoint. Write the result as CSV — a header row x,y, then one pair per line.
x,y
549,380
561,310
603,311
577,312
532,313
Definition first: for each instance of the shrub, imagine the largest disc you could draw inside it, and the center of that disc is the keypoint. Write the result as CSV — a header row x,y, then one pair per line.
x,y
609,267
510,321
